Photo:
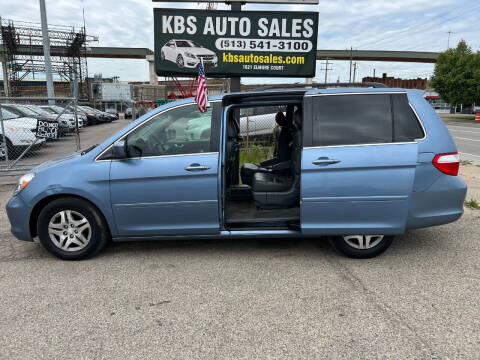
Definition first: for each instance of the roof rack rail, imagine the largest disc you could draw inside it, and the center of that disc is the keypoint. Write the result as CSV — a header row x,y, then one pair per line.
x,y
320,86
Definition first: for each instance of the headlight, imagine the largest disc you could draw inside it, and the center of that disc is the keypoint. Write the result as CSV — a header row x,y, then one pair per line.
x,y
23,182
190,55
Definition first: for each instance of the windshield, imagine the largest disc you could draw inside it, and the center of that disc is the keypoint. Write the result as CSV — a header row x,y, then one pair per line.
x,y
26,111
184,43
48,110
58,109
38,110
8,115
81,108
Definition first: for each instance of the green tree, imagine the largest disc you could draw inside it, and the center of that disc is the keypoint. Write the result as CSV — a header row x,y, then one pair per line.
x,y
457,75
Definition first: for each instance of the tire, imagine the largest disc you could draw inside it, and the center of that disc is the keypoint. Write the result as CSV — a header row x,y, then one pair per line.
x,y
13,152
357,247
180,62
79,241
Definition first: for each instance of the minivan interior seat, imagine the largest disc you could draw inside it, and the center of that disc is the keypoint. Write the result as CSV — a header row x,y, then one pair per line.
x,y
283,153
275,190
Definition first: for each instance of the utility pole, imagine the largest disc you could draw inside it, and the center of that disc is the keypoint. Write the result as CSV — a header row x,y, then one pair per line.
x,y
351,56
373,74
46,51
327,69
449,32
354,71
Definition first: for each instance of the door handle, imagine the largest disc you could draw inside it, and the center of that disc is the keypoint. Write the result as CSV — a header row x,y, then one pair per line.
x,y
197,167
325,161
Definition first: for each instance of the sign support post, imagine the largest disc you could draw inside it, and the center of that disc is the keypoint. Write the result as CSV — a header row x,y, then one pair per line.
x,y
235,81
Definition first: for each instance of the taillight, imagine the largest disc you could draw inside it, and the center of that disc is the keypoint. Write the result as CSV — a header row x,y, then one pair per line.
x,y
447,163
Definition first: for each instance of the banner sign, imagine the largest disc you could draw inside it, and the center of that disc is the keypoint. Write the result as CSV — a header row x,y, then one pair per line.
x,y
47,129
235,43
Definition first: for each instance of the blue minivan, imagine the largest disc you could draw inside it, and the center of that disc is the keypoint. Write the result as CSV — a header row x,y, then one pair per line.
x,y
358,166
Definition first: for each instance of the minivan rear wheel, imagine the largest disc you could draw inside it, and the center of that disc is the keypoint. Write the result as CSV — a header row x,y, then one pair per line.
x,y
72,229
362,246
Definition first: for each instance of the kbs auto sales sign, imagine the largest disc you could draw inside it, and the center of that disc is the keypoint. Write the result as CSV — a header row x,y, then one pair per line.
x,y
246,43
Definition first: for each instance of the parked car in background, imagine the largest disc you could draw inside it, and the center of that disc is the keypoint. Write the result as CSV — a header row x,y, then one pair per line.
x,y
254,122
91,118
346,175
19,134
64,119
112,112
102,116
128,113
67,115
26,111
60,109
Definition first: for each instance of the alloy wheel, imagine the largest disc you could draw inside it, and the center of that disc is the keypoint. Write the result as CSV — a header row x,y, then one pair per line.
x,y
363,242
69,230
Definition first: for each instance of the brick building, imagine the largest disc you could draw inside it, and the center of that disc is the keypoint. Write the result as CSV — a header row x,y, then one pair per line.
x,y
390,81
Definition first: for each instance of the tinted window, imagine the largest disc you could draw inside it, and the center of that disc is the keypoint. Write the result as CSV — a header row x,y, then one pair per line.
x,y
352,119
181,43
183,130
406,125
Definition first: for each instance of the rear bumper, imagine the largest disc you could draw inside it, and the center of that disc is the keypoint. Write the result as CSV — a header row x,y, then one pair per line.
x,y
441,203
19,215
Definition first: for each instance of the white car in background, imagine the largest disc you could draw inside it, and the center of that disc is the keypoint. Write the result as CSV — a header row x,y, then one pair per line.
x,y
63,120
19,134
187,54
66,115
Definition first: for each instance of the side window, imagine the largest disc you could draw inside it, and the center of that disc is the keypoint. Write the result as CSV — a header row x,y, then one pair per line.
x,y
352,119
183,130
406,125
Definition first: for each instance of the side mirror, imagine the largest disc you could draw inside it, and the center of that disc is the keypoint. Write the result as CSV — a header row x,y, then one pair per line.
x,y
119,149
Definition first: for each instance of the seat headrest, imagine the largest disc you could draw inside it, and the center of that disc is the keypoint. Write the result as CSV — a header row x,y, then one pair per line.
x,y
281,119
297,118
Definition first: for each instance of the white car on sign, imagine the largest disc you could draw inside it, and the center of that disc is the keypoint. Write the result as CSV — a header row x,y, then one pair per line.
x,y
187,54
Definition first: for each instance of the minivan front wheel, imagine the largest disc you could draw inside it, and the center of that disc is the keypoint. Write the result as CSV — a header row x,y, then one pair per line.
x,y
362,246
72,229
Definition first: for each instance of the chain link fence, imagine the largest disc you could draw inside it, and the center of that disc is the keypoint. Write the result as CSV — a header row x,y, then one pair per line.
x,y
34,130
258,130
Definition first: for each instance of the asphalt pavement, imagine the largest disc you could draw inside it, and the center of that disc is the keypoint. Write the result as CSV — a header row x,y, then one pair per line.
x,y
467,137
248,299
239,299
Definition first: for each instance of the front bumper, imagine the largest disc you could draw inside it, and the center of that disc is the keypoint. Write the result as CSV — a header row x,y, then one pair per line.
x,y
193,63
19,215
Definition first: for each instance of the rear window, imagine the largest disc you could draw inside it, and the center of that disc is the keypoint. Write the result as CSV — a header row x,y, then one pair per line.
x,y
352,119
406,125
364,119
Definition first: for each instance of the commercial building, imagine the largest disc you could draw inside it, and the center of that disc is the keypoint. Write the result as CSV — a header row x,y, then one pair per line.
x,y
390,81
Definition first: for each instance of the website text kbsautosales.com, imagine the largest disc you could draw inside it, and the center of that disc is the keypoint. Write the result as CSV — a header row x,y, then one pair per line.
x,y
273,62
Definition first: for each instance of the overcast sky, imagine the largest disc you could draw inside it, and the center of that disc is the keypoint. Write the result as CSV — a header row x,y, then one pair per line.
x,y
419,25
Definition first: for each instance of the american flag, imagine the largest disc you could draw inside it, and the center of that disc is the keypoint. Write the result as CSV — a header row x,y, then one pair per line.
x,y
201,97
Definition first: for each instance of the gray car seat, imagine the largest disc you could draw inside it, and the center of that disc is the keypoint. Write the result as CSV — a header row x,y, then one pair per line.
x,y
273,190
282,153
